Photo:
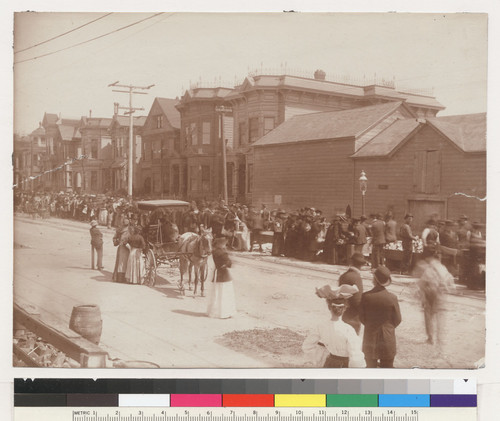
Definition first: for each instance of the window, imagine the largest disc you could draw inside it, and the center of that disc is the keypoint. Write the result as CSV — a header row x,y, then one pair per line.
x,y
206,133
147,151
159,121
156,149
268,124
41,141
205,178
250,178
175,179
166,181
253,129
93,180
156,183
193,178
193,134
177,144
427,172
94,146
242,133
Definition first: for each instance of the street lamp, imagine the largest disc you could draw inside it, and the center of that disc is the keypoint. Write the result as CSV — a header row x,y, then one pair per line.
x,y
363,186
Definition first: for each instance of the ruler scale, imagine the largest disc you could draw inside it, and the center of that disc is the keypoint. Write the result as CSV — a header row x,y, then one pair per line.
x,y
212,400
159,414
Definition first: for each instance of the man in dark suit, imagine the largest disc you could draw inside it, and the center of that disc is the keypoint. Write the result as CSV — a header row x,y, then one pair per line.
x,y
353,277
379,312
378,241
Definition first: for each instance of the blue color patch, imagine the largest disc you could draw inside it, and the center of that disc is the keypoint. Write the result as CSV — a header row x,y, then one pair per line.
x,y
404,400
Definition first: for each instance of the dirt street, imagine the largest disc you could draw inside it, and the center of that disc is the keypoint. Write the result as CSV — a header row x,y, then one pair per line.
x,y
276,307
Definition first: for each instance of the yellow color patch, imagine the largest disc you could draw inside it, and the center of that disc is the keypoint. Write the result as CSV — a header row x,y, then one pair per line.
x,y
300,400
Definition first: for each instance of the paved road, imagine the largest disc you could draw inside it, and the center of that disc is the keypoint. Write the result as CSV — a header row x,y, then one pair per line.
x,y
52,271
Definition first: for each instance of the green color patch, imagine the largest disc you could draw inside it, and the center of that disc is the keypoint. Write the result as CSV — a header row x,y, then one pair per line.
x,y
352,400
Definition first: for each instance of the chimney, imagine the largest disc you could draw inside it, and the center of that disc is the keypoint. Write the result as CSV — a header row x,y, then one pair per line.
x,y
319,75
90,113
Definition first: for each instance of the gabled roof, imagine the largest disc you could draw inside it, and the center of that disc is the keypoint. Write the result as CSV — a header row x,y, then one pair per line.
x,y
69,132
40,131
95,122
168,107
49,118
122,120
467,131
386,141
328,125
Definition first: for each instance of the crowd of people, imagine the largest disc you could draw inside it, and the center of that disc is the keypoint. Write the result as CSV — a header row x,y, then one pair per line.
x,y
305,234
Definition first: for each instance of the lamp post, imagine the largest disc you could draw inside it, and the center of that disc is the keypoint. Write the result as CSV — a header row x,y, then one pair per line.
x,y
363,186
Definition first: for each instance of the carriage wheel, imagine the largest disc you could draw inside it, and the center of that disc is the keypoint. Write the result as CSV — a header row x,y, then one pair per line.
x,y
149,268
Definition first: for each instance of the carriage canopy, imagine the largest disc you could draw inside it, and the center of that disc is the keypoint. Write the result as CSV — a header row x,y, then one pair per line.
x,y
163,203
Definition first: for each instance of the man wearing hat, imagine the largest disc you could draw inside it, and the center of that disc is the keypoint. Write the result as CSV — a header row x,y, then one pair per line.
x,y
96,243
407,238
379,312
353,277
378,241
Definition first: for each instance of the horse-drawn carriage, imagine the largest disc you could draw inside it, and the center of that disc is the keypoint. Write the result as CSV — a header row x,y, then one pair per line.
x,y
165,245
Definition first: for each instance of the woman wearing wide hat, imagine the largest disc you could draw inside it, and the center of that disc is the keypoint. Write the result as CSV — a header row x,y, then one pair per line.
x,y
333,343
221,302
380,314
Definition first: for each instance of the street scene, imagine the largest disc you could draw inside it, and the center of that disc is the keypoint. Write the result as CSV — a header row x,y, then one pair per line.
x,y
250,217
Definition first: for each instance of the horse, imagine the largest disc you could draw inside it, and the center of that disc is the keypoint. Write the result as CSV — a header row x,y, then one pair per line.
x,y
194,251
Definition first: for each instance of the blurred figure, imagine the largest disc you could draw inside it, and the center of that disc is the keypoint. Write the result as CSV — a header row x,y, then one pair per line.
x,y
430,239
434,281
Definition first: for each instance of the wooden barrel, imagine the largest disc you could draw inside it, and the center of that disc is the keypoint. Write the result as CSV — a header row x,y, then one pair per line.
x,y
86,320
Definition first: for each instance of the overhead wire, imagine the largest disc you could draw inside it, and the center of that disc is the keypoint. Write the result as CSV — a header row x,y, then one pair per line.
x,y
89,40
64,33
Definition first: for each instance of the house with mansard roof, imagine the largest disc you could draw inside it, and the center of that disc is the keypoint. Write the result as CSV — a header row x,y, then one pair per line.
x,y
434,165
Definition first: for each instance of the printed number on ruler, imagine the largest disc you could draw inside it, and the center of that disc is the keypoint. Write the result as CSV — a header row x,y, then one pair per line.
x,y
273,414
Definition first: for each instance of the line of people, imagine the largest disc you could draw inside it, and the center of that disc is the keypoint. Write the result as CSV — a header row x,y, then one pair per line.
x,y
129,264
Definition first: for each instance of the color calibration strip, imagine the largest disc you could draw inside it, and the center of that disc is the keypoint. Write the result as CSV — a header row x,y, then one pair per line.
x,y
230,393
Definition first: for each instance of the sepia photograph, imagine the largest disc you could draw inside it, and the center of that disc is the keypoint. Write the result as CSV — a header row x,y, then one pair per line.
x,y
249,190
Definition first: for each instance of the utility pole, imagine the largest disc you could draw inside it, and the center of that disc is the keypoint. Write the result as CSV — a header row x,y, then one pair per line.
x,y
131,89
222,109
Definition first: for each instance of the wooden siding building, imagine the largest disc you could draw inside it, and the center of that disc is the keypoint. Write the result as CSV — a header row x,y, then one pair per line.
x,y
117,165
433,165
161,152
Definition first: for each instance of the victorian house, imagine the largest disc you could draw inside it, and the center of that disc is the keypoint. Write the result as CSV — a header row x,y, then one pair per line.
x,y
117,166
161,168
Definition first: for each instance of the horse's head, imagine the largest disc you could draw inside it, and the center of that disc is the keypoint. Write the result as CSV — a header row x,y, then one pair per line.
x,y
206,242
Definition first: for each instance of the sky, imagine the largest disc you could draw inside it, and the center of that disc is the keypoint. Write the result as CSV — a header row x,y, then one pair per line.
x,y
443,52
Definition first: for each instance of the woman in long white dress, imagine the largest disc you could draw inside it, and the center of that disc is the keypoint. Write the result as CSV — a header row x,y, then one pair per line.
x,y
221,301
